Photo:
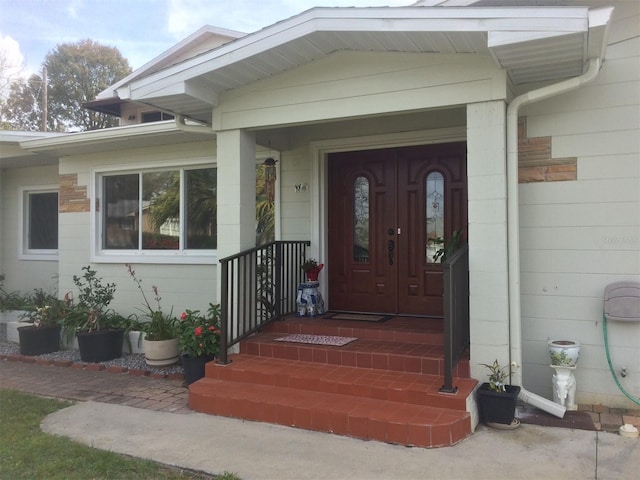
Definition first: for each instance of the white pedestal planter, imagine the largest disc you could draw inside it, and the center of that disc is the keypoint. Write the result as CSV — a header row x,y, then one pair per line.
x,y
564,358
564,352
564,386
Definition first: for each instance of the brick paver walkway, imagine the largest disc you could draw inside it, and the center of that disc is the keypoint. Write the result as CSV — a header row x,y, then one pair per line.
x,y
161,394
83,382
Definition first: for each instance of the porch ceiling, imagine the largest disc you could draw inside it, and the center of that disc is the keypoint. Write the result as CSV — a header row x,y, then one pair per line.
x,y
532,44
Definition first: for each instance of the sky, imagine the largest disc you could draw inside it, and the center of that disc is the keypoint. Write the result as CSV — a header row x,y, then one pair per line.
x,y
140,29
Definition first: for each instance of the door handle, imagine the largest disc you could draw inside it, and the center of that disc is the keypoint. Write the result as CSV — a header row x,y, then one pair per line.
x,y
390,246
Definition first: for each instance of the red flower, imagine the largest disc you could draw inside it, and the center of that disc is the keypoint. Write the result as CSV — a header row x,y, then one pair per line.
x,y
183,316
212,328
198,331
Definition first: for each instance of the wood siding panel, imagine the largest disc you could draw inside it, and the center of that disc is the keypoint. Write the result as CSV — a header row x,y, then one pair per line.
x,y
351,84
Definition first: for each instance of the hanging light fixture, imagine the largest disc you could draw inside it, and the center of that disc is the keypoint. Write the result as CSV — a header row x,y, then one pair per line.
x,y
270,178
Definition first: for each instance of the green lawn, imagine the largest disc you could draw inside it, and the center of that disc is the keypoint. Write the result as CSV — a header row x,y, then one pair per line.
x,y
27,452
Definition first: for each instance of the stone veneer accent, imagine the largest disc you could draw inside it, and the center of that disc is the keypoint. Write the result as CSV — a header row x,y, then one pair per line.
x,y
73,198
535,162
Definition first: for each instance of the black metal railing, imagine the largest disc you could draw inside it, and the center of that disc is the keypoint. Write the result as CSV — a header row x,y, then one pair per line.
x,y
258,286
456,313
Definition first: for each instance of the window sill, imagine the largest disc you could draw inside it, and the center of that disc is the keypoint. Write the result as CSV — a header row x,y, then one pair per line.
x,y
39,257
167,259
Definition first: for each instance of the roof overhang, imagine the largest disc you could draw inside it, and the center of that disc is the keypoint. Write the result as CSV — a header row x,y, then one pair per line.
x,y
533,44
12,155
118,138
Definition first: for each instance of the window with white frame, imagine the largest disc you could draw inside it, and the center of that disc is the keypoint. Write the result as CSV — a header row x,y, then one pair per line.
x,y
163,211
40,222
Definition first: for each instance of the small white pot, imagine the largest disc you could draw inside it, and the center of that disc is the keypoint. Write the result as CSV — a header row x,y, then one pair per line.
x,y
160,353
137,345
564,352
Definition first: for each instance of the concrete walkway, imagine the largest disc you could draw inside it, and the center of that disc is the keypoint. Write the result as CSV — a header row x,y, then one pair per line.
x,y
168,432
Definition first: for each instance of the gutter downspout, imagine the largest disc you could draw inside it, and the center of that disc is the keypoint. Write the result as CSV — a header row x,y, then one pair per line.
x,y
182,125
513,226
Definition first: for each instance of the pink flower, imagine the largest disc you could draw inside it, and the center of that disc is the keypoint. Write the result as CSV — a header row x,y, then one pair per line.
x,y
212,328
198,331
183,316
200,345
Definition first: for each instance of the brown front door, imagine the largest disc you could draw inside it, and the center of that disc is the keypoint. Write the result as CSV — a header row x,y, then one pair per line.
x,y
387,209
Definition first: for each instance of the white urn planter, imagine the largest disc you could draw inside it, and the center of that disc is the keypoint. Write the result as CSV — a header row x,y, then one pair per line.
x,y
12,330
160,353
564,352
135,342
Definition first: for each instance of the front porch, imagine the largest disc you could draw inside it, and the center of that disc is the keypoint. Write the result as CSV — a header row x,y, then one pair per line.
x,y
383,386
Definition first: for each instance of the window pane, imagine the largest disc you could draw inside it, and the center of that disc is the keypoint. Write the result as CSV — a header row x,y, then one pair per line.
x,y
435,215
201,208
122,206
361,220
43,221
161,210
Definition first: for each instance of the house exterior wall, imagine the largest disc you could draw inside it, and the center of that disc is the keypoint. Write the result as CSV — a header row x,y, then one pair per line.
x,y
23,275
577,236
179,285
356,84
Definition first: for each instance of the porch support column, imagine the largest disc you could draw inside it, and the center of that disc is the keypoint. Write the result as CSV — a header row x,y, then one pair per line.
x,y
488,255
236,193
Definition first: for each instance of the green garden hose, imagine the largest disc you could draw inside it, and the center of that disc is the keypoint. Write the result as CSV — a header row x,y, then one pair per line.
x,y
613,372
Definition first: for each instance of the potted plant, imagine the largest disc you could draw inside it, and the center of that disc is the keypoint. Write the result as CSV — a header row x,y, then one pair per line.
x,y
160,331
14,306
199,341
446,247
95,326
564,352
42,333
497,400
312,269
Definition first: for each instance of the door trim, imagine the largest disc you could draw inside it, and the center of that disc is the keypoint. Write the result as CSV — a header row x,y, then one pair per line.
x,y
319,152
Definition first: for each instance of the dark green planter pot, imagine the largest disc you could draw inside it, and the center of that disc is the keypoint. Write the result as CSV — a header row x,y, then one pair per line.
x,y
497,407
194,367
39,340
100,346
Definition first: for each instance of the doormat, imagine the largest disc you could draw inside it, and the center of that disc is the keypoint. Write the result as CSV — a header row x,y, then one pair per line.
x,y
334,341
359,317
579,420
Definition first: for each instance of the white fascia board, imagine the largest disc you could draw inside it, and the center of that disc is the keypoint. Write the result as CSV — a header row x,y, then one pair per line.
x,y
194,88
599,25
499,39
98,136
113,90
435,19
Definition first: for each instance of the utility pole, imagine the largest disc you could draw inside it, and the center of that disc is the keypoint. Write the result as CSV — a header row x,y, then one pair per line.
x,y
45,113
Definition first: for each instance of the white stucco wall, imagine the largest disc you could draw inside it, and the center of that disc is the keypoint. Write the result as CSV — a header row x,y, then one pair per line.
x,y
23,275
579,236
180,286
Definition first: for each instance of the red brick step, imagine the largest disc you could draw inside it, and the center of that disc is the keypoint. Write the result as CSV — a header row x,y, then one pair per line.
x,y
417,389
365,418
364,353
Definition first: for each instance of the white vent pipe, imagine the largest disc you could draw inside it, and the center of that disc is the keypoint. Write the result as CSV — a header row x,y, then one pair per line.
x,y
513,226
